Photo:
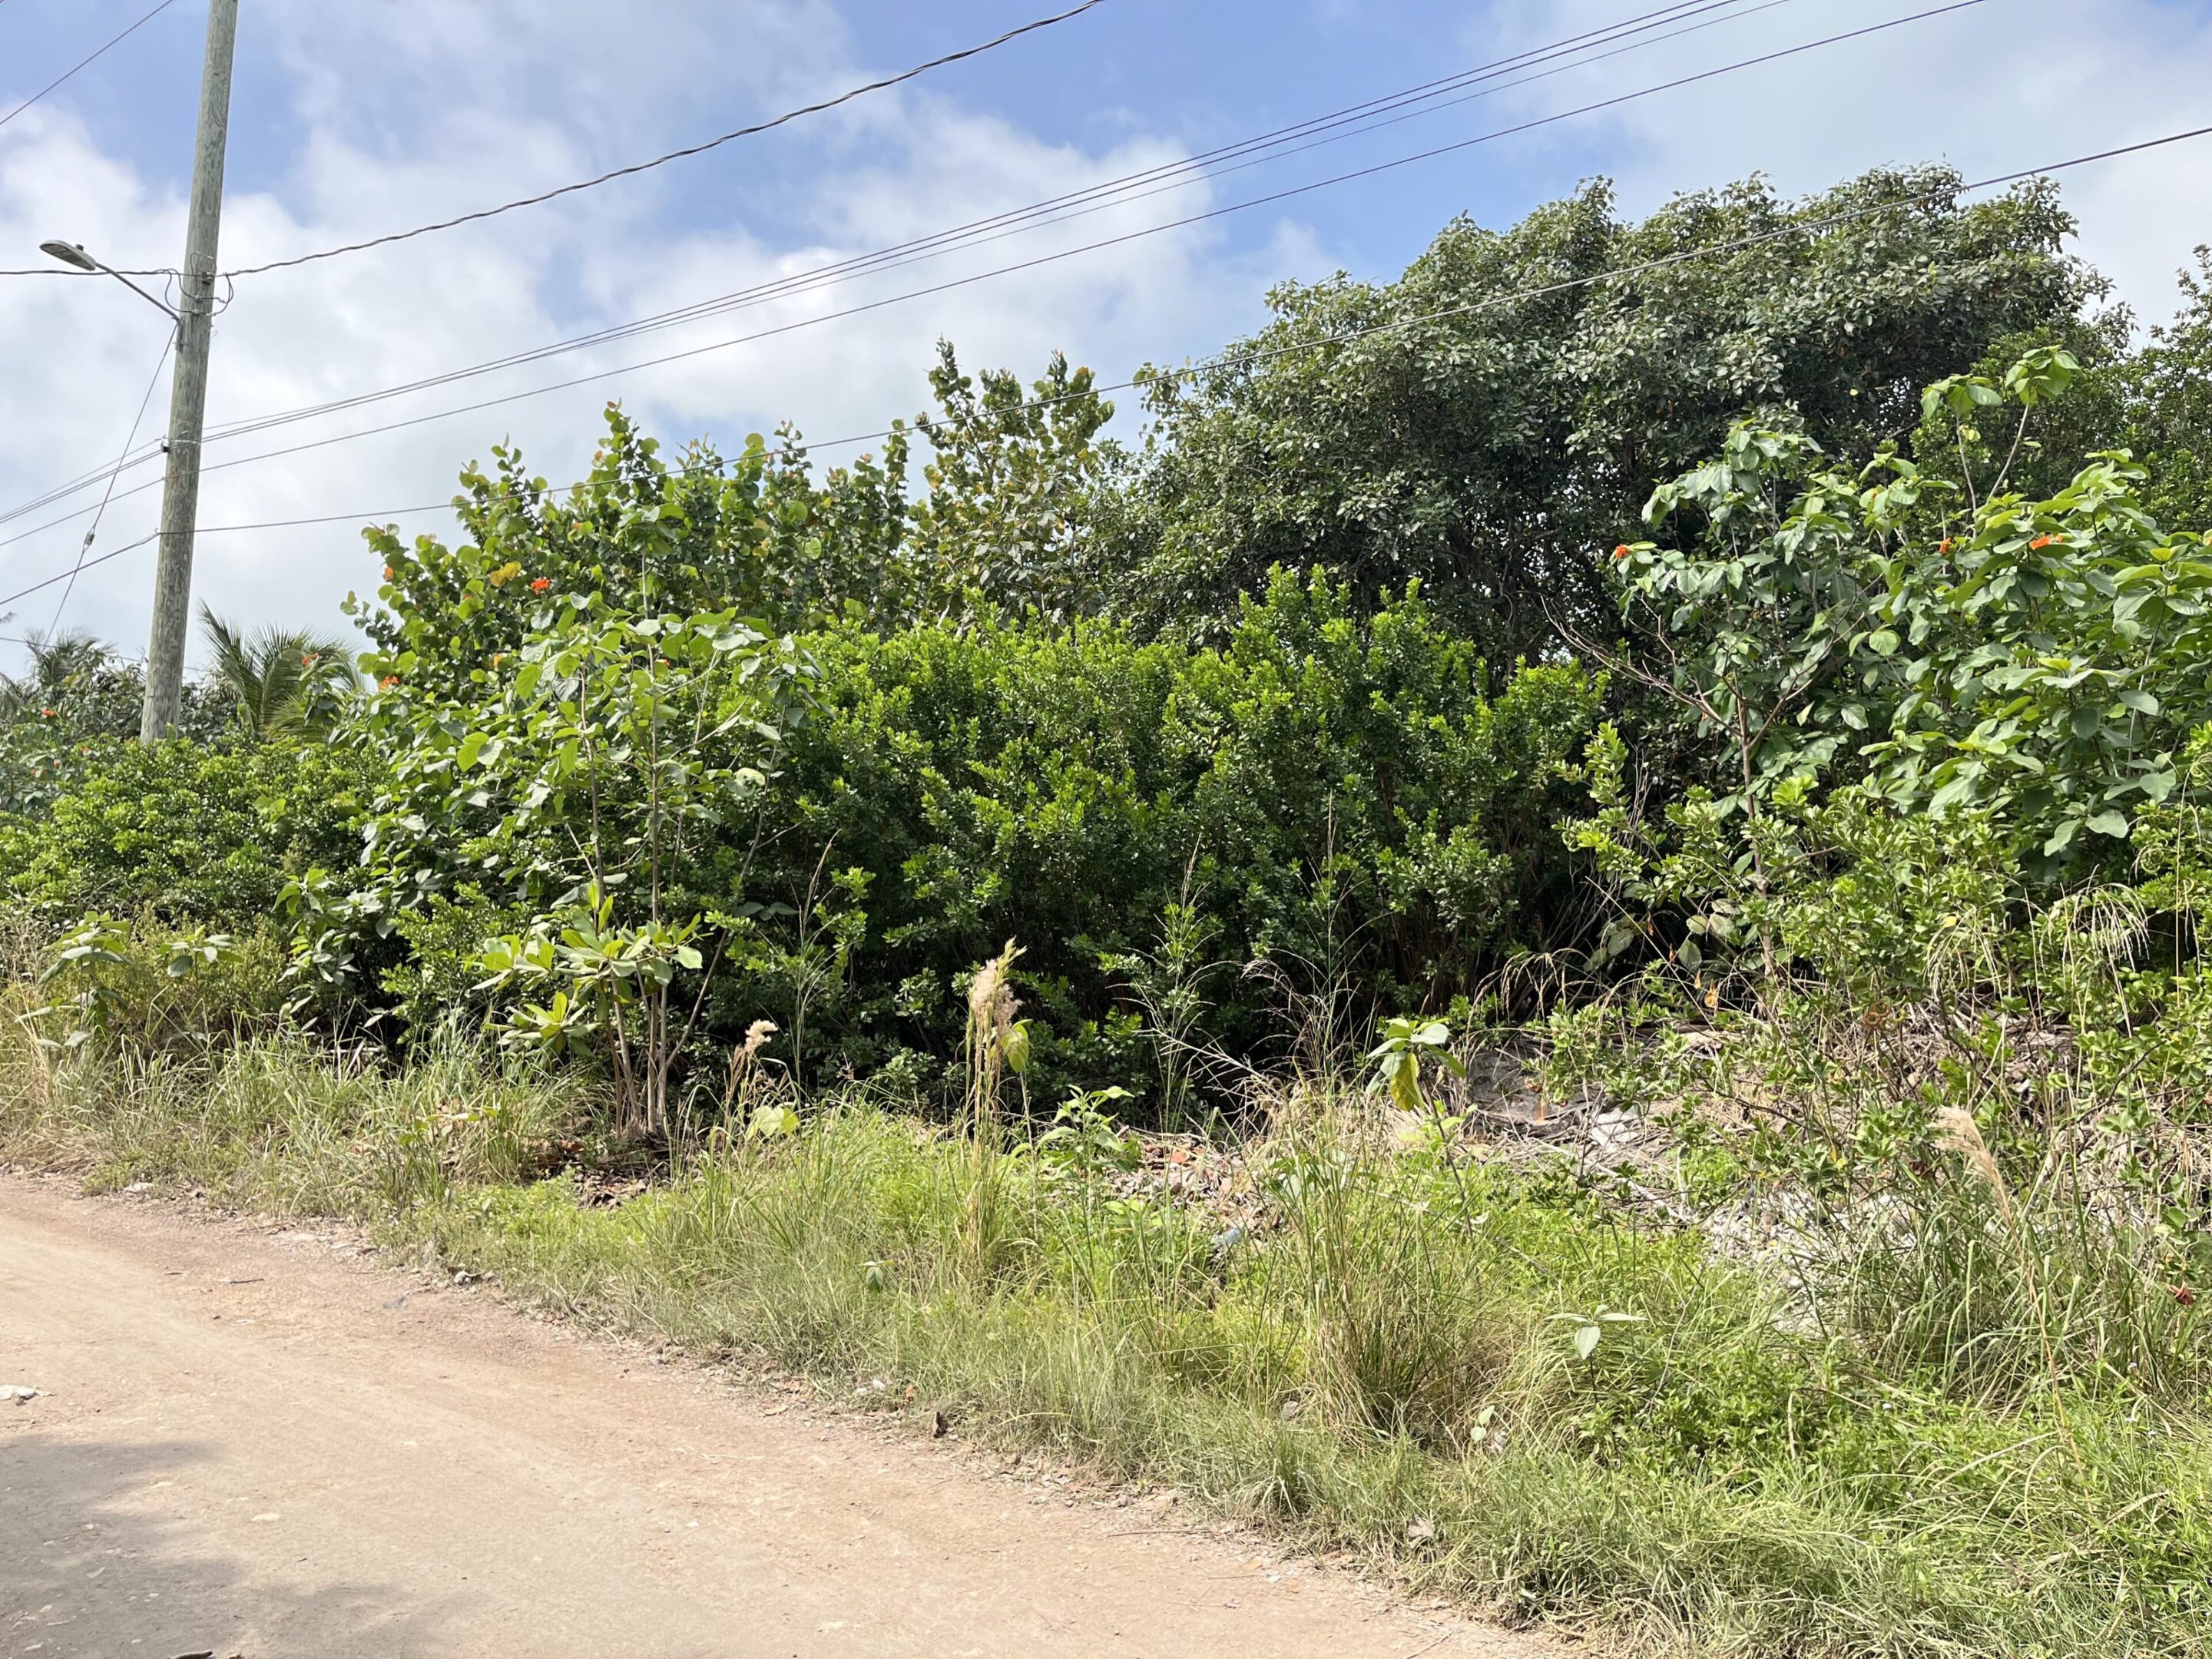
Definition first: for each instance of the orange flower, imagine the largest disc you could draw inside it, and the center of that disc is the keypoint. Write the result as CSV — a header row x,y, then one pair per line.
x,y
541,585
388,681
387,572
1620,552
1944,546
46,714
2042,542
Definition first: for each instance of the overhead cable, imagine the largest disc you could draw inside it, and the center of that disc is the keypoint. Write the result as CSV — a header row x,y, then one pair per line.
x,y
1037,261
609,177
98,513
70,73
689,150
1348,336
1176,176
1014,221
72,574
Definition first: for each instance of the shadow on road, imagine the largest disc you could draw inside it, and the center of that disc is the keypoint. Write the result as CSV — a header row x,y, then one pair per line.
x,y
99,1558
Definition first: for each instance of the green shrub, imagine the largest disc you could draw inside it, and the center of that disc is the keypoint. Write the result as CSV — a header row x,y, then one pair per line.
x,y
150,988
186,833
1364,803
58,719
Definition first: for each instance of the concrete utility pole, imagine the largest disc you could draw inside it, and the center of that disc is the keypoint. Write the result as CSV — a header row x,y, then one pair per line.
x,y
180,496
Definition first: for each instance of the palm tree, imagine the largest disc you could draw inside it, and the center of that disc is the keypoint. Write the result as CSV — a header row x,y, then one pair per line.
x,y
63,667
282,680
56,661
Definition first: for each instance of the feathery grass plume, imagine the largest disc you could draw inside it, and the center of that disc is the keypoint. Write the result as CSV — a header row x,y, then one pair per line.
x,y
745,1058
1957,1132
991,1003
992,1028
996,1041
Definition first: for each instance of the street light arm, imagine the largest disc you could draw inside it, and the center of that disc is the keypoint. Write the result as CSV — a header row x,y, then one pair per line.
x,y
73,253
162,306
157,304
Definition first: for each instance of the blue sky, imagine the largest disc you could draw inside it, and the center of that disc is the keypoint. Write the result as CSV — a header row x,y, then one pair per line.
x,y
352,120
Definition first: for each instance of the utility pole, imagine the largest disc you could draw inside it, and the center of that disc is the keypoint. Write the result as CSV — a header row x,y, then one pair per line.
x,y
180,495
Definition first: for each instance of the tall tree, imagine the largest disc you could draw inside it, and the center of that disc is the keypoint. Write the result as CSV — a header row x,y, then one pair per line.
x,y
2166,389
1012,482
1496,447
998,524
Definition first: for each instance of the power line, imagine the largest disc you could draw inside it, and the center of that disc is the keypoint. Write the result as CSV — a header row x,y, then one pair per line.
x,y
637,168
69,75
1567,284
1668,13
634,168
1488,302
1025,264
85,547
1011,221
1184,223
70,576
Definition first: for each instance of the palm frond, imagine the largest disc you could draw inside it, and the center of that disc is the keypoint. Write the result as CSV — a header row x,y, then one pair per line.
x,y
282,680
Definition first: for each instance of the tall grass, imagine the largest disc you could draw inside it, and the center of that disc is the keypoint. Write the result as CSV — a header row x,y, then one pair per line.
x,y
278,1124
1382,1360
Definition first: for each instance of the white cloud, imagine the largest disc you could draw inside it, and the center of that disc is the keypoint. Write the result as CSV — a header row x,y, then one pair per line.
x,y
473,102
413,108
1997,88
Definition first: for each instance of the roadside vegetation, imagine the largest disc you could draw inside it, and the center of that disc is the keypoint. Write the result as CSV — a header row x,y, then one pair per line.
x,y
1557,949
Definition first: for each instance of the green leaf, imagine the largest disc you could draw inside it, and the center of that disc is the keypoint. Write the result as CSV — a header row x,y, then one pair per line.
x,y
2110,821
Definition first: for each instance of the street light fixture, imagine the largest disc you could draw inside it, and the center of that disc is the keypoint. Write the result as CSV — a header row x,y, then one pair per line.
x,y
73,254
70,254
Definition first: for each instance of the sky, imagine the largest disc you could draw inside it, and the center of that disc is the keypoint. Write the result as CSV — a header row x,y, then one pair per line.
x,y
353,121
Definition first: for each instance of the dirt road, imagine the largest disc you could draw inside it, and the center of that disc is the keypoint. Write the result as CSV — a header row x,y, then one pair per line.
x,y
265,1444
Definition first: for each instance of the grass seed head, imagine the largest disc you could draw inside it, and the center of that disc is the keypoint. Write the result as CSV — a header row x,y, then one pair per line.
x,y
1957,1132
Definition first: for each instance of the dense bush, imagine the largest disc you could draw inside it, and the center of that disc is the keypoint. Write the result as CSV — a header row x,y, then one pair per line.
x,y
1348,800
1006,495
1360,803
1363,803
75,698
1953,648
1821,1269
1271,804
184,832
